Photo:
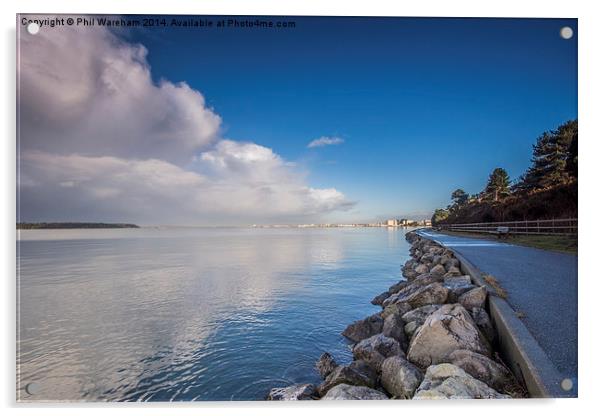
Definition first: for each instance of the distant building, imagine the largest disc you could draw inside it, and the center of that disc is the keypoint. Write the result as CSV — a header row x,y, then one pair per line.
x,y
391,223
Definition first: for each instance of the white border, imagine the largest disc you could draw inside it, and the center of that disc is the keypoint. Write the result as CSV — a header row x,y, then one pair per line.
x,y
590,151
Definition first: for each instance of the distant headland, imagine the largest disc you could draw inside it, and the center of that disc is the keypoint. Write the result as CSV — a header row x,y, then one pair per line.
x,y
70,225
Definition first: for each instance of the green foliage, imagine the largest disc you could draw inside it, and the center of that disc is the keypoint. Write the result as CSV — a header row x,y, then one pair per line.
x,y
554,160
439,215
498,185
459,197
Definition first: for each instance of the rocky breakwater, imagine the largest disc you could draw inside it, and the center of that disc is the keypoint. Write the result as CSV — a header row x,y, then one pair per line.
x,y
432,340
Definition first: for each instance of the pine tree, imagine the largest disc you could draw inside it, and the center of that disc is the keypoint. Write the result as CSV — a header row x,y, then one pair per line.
x,y
498,185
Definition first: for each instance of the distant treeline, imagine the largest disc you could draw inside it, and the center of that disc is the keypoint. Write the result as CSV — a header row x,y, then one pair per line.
x,y
61,225
548,189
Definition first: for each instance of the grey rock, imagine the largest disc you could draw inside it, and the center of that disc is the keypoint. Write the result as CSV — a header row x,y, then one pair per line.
x,y
375,349
420,314
474,298
448,329
446,381
378,300
325,365
397,287
398,308
482,368
457,287
364,328
421,268
347,392
438,270
358,373
294,392
400,378
451,262
456,280
481,318
427,295
394,328
410,328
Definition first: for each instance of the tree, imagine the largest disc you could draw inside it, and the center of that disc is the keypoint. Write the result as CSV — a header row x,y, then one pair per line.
x,y
439,215
498,185
554,160
459,197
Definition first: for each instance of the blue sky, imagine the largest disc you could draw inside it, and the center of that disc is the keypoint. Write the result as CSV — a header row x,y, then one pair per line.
x,y
424,106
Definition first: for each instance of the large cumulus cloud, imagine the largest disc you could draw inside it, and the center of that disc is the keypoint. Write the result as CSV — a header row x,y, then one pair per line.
x,y
99,140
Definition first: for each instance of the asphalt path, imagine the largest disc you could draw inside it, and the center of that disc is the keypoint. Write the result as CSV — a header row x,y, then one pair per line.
x,y
541,285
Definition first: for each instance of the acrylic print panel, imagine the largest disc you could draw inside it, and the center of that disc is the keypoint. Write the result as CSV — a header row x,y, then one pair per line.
x,y
217,208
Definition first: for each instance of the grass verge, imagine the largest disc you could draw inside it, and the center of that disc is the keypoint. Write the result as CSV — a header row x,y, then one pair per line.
x,y
561,243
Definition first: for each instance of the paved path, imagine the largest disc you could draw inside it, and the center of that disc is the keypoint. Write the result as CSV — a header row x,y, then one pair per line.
x,y
541,284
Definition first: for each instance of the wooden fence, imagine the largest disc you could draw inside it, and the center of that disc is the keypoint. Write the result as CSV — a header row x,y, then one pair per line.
x,y
567,226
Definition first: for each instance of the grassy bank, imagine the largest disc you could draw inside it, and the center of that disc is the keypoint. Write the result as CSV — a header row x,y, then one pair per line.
x,y
561,243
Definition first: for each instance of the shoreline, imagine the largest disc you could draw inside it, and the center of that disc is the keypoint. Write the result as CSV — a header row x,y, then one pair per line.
x,y
433,339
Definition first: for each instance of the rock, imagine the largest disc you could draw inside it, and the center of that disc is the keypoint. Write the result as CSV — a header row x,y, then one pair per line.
x,y
451,262
474,298
375,349
481,318
399,377
409,273
453,270
410,328
427,258
421,268
294,392
397,287
358,373
325,365
427,295
393,328
452,274
438,270
456,280
398,308
420,314
457,287
482,368
364,328
378,300
347,392
448,329
446,381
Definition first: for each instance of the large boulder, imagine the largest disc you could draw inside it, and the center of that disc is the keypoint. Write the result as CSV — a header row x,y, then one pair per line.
x,y
438,270
358,373
294,392
482,368
376,349
379,299
474,298
399,377
446,381
325,365
457,286
451,262
410,329
398,308
427,295
393,328
420,314
347,392
448,329
421,268
481,318
397,287
416,284
364,328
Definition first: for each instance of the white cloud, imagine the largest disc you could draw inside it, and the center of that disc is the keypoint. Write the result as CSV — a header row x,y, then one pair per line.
x,y
325,141
100,141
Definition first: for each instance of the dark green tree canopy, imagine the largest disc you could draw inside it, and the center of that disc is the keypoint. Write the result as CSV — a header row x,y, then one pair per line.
x,y
498,185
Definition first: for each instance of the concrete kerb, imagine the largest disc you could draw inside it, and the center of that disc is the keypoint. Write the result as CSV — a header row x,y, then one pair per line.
x,y
520,351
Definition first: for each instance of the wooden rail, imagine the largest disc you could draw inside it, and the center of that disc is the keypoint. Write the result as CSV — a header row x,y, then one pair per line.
x,y
566,226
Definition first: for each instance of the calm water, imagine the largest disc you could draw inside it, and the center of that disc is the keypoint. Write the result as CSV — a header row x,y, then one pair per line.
x,y
191,314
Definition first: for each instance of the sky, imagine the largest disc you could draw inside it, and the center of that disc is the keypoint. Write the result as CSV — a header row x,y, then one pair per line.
x,y
333,120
